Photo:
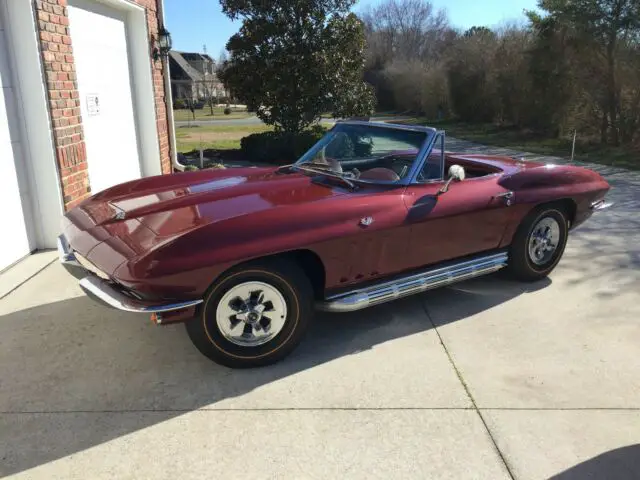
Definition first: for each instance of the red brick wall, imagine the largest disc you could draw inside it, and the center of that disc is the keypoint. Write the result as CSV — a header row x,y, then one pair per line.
x,y
64,101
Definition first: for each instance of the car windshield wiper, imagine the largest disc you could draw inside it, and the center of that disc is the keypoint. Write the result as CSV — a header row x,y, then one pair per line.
x,y
317,165
328,172
322,166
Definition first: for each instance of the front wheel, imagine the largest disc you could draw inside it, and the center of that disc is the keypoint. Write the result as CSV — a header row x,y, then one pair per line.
x,y
538,243
254,316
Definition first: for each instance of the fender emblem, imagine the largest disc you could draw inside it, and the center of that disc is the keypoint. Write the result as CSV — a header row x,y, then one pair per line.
x,y
366,221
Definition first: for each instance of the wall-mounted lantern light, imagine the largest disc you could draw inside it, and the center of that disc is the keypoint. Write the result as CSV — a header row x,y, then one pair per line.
x,y
163,44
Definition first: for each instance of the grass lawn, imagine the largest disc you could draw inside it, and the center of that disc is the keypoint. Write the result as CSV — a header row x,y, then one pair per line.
x,y
183,115
227,137
490,134
218,137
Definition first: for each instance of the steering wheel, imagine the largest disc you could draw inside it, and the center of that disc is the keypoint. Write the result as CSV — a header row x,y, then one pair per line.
x,y
430,171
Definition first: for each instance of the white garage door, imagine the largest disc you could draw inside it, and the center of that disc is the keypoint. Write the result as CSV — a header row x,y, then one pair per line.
x,y
15,238
99,39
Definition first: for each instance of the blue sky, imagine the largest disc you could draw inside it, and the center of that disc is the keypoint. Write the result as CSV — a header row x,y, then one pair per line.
x,y
194,23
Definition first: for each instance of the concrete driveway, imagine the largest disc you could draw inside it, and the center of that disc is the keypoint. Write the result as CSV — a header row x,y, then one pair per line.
x,y
489,379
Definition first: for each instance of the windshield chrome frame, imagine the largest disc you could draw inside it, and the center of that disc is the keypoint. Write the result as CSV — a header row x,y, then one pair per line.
x,y
423,152
439,134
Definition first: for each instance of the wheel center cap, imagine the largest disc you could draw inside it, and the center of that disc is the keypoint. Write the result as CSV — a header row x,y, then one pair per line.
x,y
253,317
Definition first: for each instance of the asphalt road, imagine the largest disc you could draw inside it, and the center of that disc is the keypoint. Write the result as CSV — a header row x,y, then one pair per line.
x,y
253,120
488,379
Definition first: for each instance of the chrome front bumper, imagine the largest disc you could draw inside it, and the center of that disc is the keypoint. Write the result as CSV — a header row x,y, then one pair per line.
x,y
601,205
109,293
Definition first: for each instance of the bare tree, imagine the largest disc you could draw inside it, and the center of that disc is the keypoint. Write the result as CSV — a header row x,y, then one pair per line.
x,y
575,68
223,58
406,40
406,30
210,91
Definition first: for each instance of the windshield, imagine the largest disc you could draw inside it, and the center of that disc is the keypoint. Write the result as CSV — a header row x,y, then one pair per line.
x,y
373,153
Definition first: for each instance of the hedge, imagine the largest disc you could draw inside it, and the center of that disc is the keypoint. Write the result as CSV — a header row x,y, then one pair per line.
x,y
280,148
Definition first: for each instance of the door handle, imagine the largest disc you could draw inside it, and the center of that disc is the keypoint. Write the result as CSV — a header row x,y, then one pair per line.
x,y
507,197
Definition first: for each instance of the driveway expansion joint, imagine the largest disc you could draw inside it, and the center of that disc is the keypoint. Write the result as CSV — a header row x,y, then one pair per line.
x,y
25,280
468,392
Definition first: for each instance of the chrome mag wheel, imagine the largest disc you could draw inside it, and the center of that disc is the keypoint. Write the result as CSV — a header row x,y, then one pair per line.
x,y
544,240
251,313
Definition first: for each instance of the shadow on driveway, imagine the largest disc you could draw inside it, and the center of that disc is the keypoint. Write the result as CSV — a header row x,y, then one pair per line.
x,y
62,360
619,464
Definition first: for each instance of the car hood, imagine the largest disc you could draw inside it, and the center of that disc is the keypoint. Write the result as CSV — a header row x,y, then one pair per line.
x,y
223,197
153,210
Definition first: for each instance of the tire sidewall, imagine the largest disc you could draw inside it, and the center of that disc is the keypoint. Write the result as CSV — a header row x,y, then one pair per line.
x,y
559,217
222,347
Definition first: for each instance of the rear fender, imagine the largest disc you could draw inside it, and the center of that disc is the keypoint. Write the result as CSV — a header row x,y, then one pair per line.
x,y
562,184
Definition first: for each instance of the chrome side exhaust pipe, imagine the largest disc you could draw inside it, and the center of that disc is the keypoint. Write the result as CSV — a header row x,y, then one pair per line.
x,y
415,283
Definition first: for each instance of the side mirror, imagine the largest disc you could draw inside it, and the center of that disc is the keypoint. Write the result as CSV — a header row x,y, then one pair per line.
x,y
456,172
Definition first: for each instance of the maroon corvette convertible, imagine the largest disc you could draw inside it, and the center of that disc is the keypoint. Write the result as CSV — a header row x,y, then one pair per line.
x,y
371,213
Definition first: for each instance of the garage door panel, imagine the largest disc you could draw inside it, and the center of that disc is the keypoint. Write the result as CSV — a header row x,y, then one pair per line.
x,y
5,137
23,186
27,152
13,119
5,72
99,40
13,218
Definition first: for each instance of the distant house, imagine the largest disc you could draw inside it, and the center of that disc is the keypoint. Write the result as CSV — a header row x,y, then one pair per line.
x,y
193,76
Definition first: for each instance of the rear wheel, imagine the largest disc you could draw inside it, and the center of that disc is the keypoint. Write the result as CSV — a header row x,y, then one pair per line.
x,y
254,316
538,243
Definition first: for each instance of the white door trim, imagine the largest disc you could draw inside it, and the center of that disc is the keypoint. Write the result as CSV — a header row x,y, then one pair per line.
x,y
144,104
38,146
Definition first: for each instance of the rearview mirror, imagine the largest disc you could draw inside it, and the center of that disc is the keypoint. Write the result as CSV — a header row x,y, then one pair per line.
x,y
456,172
